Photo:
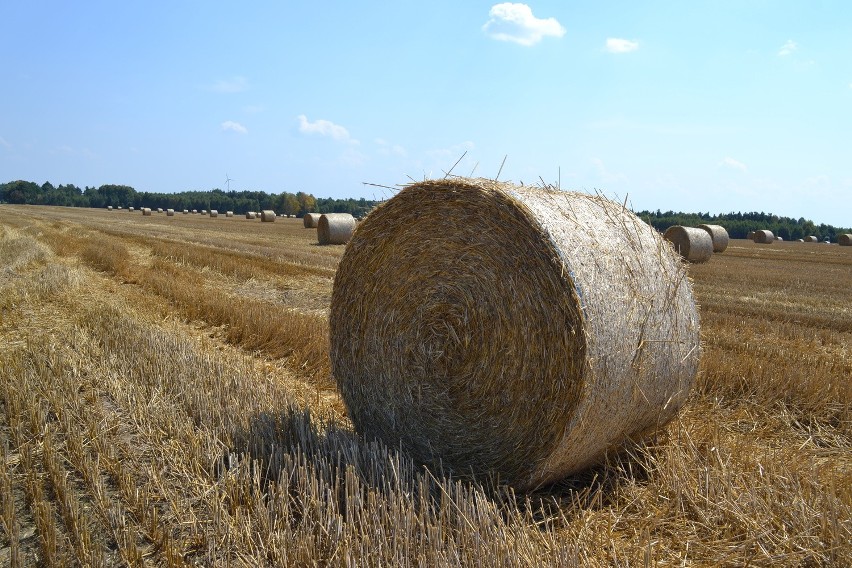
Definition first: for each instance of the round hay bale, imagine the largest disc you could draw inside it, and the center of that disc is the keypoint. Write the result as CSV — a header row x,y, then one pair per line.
x,y
845,240
250,215
811,239
146,211
130,209
750,235
195,211
267,216
214,213
719,235
170,212
229,213
159,209
764,237
109,207
490,328
335,228
800,240
186,211
311,220
779,238
694,245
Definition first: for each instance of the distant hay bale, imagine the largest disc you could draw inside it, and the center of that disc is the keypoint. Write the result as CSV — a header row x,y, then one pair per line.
x,y
229,213
719,236
335,228
130,209
845,240
250,215
764,237
779,238
694,245
146,211
109,207
486,327
159,209
311,220
267,216
186,211
170,212
750,235
811,239
214,213
195,211
800,240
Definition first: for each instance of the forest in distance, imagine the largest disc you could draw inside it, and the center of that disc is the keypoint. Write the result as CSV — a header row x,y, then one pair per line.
x,y
30,193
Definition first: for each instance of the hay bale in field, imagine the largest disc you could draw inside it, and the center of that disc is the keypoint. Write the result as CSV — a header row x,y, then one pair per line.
x,y
170,212
811,239
800,240
750,235
214,213
779,238
159,209
250,215
311,220
186,211
335,228
195,211
229,213
719,236
694,245
764,237
267,216
109,207
845,240
130,209
146,211
488,327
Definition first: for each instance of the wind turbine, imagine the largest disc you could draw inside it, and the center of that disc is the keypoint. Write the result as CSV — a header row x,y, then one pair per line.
x,y
228,182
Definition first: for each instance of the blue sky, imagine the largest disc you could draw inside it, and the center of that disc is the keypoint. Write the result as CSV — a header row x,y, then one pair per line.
x,y
695,106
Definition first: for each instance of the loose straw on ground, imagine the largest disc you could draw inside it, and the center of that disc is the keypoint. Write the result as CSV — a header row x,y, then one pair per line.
x,y
486,327
335,228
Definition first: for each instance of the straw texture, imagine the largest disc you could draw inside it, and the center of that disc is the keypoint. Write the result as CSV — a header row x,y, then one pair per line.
x,y
488,327
694,245
146,211
764,237
311,220
335,228
719,235
845,240
267,216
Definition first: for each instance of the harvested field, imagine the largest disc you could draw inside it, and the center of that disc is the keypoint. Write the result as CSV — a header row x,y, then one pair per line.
x,y
166,399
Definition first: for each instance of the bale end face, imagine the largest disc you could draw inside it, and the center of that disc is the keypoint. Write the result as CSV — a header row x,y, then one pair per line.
x,y
719,235
845,240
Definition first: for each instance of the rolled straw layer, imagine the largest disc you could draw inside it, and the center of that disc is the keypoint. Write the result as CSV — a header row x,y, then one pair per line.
x,y
694,245
335,228
492,328
719,235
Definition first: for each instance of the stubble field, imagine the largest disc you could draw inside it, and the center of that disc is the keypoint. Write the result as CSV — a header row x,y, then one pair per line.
x,y
166,400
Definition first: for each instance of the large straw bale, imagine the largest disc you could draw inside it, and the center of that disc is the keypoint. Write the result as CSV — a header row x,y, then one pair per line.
x,y
146,211
170,212
159,209
130,208
487,327
335,228
811,239
250,215
719,235
764,237
750,235
311,220
845,240
694,245
109,207
214,213
186,211
267,216
229,213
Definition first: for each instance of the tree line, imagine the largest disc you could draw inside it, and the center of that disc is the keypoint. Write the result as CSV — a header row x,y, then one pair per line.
x,y
69,195
738,225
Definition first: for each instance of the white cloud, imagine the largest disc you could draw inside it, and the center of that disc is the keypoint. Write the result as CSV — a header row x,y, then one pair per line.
x,y
234,126
788,48
606,176
618,45
233,85
388,149
729,162
515,22
324,128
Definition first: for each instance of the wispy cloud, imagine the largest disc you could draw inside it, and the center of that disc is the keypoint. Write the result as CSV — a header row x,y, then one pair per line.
x,y
516,23
618,45
729,162
388,149
788,48
235,84
234,127
606,176
324,128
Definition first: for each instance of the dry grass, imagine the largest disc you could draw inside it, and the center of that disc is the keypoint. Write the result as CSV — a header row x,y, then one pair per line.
x,y
131,437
